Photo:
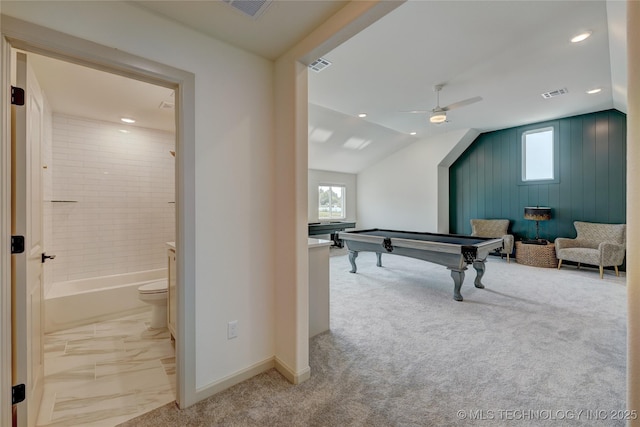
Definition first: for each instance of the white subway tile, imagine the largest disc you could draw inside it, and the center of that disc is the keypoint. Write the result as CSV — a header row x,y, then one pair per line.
x,y
123,185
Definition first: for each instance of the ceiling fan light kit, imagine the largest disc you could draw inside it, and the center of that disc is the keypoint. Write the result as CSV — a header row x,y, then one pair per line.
x,y
438,117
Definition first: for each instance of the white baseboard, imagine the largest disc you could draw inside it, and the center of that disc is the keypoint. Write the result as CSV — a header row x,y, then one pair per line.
x,y
251,371
233,379
289,374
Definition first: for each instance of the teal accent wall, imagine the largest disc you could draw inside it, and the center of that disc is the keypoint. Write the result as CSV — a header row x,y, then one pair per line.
x,y
484,181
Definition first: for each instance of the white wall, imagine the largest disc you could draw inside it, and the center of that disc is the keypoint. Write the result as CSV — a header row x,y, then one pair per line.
x,y
404,191
112,198
234,170
349,180
292,174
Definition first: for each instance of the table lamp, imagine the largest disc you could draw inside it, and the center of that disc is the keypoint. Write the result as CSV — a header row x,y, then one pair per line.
x,y
537,214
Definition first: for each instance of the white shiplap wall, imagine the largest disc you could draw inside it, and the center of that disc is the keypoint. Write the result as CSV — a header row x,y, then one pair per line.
x,y
122,188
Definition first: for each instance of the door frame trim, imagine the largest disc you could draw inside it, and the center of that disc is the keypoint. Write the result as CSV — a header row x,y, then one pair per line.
x,y
37,39
5,237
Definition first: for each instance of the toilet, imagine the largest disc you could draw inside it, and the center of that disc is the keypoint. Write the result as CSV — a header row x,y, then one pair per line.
x,y
155,293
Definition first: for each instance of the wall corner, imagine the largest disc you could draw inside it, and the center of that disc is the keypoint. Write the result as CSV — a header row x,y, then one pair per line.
x,y
460,142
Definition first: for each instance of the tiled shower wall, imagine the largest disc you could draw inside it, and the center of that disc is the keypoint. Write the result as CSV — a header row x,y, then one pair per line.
x,y
112,203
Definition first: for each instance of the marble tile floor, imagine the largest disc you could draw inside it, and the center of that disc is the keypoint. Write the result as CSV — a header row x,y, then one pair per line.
x,y
105,373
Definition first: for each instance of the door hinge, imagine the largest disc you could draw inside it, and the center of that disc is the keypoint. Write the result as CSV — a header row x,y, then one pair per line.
x,y
17,96
17,244
18,394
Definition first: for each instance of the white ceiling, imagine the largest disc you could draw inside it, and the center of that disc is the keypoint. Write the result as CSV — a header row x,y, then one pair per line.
x,y
279,28
507,52
84,92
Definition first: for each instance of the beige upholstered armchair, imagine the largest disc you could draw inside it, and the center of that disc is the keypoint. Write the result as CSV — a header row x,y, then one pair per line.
x,y
496,228
595,244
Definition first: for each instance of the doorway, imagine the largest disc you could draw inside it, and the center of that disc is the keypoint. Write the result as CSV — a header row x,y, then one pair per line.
x,y
31,38
108,218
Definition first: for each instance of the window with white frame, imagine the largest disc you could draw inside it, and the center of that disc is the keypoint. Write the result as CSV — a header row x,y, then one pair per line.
x,y
538,155
331,202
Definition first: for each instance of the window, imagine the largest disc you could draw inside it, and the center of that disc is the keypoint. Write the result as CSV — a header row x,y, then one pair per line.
x,y
539,151
331,202
537,154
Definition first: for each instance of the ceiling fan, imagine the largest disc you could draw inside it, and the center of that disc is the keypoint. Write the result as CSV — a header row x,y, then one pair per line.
x,y
438,115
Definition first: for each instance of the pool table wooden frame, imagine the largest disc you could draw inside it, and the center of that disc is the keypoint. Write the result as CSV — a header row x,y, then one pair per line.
x,y
450,250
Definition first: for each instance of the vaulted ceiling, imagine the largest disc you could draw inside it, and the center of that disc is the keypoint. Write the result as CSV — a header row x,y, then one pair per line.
x,y
506,52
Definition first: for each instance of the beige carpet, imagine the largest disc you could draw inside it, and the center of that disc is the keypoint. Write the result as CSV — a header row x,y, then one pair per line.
x,y
536,347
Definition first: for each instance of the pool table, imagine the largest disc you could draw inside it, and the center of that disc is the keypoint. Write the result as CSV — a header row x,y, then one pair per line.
x,y
450,250
332,228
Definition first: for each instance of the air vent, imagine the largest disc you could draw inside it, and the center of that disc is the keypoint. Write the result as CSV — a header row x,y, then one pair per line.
x,y
252,8
555,93
319,64
164,105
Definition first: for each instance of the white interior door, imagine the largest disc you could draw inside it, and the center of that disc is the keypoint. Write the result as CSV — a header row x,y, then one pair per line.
x,y
26,220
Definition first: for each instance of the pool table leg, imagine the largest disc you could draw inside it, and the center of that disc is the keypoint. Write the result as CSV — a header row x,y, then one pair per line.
x,y
379,256
479,266
352,259
458,278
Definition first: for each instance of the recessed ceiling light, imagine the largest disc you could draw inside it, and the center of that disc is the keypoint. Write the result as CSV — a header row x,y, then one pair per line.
x,y
362,115
124,131
593,91
413,133
580,37
127,120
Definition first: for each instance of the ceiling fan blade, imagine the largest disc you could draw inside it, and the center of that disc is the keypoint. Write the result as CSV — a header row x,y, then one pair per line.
x,y
416,111
462,103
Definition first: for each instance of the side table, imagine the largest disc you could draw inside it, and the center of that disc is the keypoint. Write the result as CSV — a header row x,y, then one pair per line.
x,y
536,255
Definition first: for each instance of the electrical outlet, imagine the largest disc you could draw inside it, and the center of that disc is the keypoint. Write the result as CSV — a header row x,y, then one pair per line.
x,y
232,329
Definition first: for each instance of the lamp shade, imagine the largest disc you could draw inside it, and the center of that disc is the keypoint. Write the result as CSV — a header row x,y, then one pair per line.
x,y
537,213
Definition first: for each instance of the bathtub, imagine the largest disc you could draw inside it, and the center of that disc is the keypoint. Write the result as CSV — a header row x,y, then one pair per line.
x,y
79,302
